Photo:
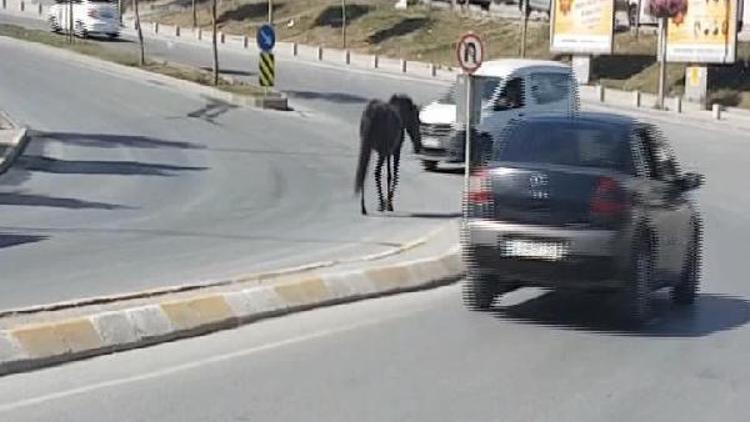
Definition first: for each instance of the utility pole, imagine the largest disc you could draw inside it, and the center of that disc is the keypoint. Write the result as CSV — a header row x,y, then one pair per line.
x,y
343,23
638,20
270,12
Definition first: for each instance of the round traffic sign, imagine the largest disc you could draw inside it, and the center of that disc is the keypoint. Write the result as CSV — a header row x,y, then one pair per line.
x,y
266,37
470,52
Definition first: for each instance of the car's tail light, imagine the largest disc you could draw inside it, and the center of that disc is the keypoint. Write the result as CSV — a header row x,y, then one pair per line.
x,y
609,198
479,187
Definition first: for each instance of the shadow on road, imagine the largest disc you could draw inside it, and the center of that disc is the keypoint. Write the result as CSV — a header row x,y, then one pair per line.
x,y
231,71
598,313
335,97
100,140
212,110
439,215
52,165
10,240
29,200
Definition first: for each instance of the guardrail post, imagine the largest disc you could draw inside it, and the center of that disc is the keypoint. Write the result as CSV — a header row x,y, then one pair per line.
x,y
23,6
433,70
177,30
375,61
156,27
403,66
244,41
717,111
678,104
319,52
41,11
295,49
348,57
600,93
222,37
636,99
199,34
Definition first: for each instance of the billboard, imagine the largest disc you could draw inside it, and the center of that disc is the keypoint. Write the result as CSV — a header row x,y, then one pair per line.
x,y
707,33
582,26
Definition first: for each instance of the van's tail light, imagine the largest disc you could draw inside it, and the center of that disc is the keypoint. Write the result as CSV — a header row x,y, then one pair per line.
x,y
479,187
609,198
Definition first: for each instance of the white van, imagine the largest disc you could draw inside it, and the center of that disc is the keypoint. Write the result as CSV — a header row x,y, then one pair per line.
x,y
511,88
90,17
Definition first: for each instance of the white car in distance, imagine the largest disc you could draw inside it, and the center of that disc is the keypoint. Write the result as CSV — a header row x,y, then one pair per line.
x,y
90,17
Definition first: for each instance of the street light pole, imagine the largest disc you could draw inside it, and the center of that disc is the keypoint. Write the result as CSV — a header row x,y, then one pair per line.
x,y
524,25
270,12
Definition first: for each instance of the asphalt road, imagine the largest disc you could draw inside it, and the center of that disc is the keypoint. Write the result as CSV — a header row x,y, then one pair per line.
x,y
128,185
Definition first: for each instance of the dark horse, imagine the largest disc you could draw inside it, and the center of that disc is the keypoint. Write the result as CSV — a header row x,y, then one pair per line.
x,y
382,129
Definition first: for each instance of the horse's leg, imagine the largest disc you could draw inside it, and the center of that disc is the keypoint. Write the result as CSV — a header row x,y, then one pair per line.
x,y
362,200
379,180
396,161
389,192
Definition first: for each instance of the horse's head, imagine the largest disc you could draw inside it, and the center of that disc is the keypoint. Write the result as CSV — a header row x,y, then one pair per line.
x,y
409,113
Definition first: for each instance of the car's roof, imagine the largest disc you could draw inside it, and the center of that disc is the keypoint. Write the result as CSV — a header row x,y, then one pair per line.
x,y
582,118
504,67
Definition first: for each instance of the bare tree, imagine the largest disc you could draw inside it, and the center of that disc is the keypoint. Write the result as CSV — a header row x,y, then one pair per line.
x,y
343,22
142,55
195,15
71,22
213,42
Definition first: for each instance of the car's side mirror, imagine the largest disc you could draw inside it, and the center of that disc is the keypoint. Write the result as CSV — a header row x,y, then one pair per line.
x,y
690,181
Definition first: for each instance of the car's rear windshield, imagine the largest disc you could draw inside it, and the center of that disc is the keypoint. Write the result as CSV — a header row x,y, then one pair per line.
x,y
603,146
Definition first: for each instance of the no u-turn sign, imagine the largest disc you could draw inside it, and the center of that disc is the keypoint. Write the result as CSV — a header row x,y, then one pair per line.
x,y
470,52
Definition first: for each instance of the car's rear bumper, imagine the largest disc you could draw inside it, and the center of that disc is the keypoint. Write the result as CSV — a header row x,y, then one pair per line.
x,y
593,258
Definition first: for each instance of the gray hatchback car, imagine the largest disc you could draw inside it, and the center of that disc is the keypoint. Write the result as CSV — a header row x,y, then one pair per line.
x,y
593,202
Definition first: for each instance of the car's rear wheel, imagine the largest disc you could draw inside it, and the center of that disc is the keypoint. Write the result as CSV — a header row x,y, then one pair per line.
x,y
685,292
429,165
637,301
480,291
113,35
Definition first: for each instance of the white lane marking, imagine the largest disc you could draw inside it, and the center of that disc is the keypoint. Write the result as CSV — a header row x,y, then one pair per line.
x,y
8,407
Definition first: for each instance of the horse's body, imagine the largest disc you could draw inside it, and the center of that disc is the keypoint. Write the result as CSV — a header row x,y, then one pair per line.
x,y
382,129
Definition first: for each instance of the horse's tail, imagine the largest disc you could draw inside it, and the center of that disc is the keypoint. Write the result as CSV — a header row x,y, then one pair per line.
x,y
365,149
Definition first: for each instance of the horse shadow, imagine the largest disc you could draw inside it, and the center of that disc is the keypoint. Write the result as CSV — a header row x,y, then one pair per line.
x,y
598,313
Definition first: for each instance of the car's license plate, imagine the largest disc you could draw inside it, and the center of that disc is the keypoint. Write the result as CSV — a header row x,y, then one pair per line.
x,y
534,249
431,142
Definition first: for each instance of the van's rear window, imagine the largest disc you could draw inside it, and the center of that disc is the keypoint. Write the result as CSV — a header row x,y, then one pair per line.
x,y
581,145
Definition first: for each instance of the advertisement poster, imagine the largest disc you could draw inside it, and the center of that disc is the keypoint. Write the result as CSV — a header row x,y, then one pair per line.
x,y
582,26
707,33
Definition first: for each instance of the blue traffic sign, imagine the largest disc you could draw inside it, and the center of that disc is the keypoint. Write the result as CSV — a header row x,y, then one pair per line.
x,y
266,37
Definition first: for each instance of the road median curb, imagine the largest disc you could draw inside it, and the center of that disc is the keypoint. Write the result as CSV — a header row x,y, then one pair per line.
x,y
28,346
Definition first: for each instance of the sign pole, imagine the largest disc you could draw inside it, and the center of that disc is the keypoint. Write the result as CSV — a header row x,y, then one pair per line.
x,y
467,146
662,61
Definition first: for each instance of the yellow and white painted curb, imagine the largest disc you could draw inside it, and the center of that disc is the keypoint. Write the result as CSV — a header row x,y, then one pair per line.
x,y
34,345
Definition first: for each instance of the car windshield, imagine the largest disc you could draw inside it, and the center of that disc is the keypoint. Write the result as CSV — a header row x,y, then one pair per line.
x,y
489,87
567,144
